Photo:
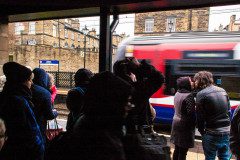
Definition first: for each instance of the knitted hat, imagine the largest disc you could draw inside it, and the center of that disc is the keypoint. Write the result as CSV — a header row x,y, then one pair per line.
x,y
16,73
82,76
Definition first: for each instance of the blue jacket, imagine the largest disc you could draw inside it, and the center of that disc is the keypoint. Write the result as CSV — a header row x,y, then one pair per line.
x,y
41,98
24,137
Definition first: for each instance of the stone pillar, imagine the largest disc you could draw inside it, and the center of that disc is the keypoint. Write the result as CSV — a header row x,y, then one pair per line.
x,y
4,57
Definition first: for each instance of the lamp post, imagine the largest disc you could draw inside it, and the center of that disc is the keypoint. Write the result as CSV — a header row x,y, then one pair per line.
x,y
85,32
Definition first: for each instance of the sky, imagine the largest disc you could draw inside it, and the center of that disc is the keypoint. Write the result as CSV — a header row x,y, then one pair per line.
x,y
126,24
218,15
221,15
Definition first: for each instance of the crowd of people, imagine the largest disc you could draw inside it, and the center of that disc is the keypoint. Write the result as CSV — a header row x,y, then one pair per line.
x,y
105,108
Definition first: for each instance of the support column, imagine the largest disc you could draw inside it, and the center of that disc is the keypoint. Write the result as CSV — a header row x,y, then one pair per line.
x,y
104,43
4,55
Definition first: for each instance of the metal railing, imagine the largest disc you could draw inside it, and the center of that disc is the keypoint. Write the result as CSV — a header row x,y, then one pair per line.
x,y
63,79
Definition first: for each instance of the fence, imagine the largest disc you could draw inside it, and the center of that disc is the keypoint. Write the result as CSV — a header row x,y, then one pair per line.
x,y
63,79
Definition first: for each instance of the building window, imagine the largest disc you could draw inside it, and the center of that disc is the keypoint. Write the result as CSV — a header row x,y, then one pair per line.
x,y
66,33
72,37
79,38
66,45
149,24
55,44
55,29
171,24
32,27
19,27
72,46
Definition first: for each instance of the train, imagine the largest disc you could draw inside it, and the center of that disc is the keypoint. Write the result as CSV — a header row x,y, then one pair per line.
x,y
184,54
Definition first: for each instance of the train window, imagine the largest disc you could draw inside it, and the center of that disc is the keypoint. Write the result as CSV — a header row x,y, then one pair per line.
x,y
208,55
226,73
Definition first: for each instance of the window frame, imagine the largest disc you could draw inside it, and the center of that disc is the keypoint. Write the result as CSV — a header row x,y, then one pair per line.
x,y
149,25
32,28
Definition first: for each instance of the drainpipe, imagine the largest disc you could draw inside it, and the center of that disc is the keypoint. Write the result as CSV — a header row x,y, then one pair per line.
x,y
112,29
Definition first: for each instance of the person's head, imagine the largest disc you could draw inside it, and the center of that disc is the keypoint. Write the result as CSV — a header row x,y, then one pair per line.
x,y
82,77
185,83
41,78
121,69
3,136
133,64
203,79
17,74
108,97
51,80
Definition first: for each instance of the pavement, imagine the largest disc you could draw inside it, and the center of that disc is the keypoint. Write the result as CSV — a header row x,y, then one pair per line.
x,y
195,153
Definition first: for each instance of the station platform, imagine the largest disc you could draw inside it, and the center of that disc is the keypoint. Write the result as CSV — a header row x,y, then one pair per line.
x,y
195,153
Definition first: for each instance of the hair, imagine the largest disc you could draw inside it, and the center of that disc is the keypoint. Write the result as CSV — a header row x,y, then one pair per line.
x,y
51,79
184,83
204,79
121,69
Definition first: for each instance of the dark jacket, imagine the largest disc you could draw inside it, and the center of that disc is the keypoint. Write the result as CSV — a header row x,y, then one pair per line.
x,y
97,134
235,133
24,137
213,109
41,98
74,102
149,80
183,126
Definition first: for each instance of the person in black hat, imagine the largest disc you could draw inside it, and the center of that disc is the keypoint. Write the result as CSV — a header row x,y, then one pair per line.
x,y
75,96
24,137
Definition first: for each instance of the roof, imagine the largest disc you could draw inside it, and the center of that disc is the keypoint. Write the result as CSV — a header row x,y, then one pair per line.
x,y
22,10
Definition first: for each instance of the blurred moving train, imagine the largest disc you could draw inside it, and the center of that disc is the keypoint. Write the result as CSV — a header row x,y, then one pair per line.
x,y
184,54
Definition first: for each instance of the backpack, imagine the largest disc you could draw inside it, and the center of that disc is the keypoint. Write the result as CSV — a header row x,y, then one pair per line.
x,y
146,146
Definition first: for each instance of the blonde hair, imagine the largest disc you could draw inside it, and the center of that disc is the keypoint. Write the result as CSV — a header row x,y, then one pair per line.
x,y
204,79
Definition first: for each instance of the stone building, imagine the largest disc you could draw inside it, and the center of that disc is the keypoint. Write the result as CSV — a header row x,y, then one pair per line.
x,y
156,23
58,39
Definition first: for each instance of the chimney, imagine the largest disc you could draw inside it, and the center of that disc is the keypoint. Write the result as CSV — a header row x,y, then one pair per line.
x,y
93,32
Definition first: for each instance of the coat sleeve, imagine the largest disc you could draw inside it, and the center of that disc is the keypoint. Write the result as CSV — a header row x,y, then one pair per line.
x,y
200,114
189,106
149,79
235,133
48,112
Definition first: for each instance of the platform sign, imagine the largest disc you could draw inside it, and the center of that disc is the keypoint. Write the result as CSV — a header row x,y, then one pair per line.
x,y
49,63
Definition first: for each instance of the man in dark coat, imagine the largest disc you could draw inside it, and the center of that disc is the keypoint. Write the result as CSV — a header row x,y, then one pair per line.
x,y
213,116
42,99
75,96
24,137
97,134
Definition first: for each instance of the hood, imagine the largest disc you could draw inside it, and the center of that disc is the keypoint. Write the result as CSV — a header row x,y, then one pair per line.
x,y
40,77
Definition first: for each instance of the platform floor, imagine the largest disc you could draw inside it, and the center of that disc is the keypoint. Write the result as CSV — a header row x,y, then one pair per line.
x,y
195,153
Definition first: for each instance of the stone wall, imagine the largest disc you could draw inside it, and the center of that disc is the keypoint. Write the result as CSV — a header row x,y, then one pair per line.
x,y
198,18
3,45
70,60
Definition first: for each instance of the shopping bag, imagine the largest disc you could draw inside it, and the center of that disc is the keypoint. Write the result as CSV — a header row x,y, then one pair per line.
x,y
53,129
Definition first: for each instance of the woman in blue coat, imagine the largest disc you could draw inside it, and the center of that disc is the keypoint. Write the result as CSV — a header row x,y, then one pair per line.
x,y
25,141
